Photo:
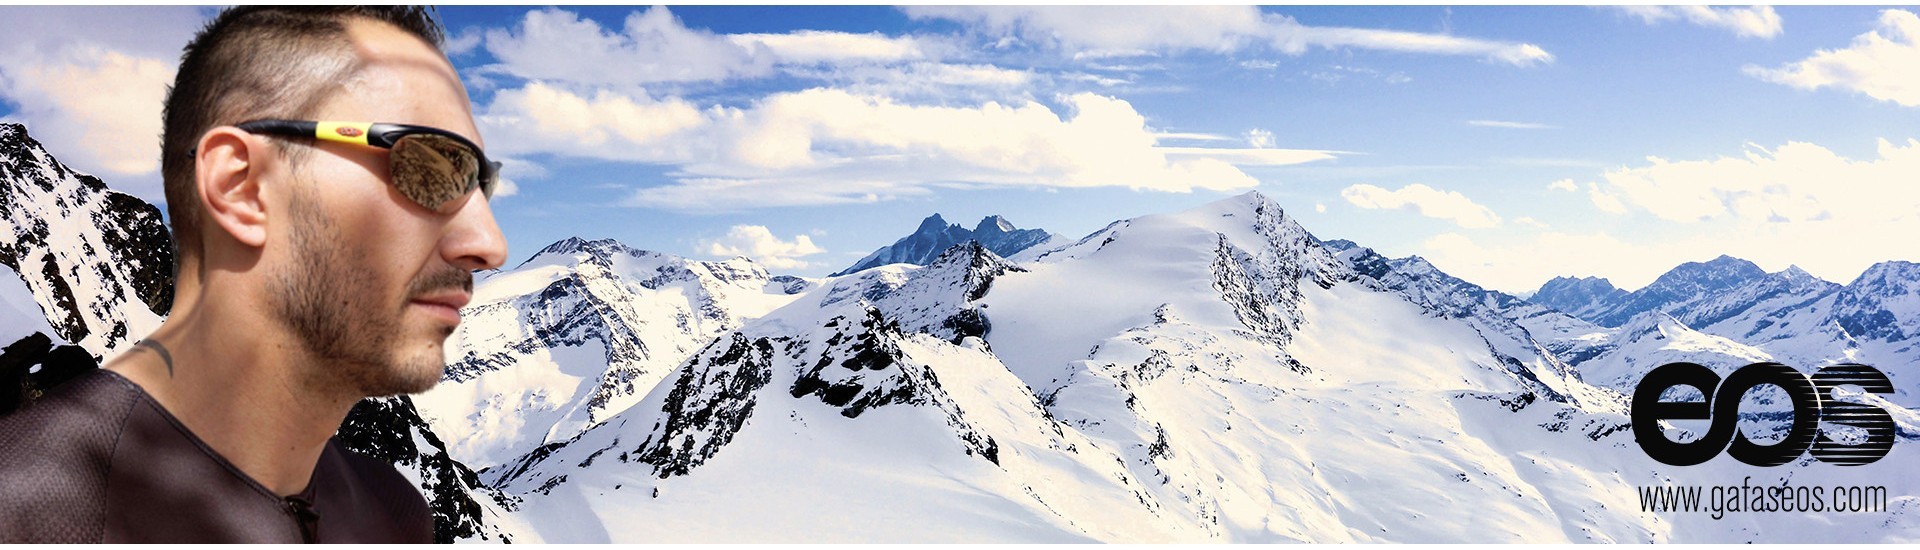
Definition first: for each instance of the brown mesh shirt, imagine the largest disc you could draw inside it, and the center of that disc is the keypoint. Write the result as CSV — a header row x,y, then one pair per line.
x,y
96,460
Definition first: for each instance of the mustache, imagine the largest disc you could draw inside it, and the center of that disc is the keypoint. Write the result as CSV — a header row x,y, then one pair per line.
x,y
439,279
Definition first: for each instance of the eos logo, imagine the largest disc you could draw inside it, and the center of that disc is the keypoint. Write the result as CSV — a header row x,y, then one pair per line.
x,y
1812,400
348,131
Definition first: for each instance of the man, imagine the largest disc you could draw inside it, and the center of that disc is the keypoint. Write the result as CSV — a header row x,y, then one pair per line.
x,y
318,263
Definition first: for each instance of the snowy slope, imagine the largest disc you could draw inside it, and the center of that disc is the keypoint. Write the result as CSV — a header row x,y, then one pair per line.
x,y
578,332
1654,338
1212,375
19,314
98,262
1536,337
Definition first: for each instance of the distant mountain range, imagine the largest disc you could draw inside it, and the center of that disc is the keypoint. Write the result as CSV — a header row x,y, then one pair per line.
x,y
1732,305
1213,375
935,236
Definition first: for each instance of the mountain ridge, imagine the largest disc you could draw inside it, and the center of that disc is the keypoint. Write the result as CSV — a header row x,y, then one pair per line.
x,y
934,236
1214,374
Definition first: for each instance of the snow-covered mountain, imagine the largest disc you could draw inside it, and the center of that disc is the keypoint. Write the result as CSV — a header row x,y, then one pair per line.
x,y
1682,286
20,315
935,236
1218,374
580,331
1582,297
1875,319
1536,335
1732,312
98,263
1211,375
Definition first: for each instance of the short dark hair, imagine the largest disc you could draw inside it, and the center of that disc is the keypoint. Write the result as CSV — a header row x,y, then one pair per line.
x,y
255,62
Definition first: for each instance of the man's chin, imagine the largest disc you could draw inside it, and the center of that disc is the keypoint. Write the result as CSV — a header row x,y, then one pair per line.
x,y
411,373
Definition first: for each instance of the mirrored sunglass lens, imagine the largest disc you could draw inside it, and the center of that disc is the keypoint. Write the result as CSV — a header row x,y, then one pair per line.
x,y
490,179
434,170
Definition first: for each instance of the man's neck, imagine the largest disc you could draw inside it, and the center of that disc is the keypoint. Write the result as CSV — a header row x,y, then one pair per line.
x,y
234,381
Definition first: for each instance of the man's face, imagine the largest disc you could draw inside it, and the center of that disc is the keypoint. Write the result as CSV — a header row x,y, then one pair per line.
x,y
369,282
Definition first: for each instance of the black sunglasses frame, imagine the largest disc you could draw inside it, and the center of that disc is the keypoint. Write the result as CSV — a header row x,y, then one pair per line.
x,y
376,134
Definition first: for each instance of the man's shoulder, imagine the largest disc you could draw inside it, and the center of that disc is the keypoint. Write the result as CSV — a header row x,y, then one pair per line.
x,y
55,454
88,409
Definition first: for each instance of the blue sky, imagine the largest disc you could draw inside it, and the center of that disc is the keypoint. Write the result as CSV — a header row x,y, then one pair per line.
x,y
1506,144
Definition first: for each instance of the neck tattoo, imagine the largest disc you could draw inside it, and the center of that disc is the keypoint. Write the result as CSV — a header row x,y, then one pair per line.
x,y
159,349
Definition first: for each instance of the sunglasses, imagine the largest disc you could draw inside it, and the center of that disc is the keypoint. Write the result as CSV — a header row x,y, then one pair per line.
x,y
430,166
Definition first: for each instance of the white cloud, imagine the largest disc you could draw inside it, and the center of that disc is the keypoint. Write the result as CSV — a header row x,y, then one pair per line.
x,y
1798,204
465,42
542,118
1524,264
139,31
1830,249
1792,183
506,187
96,108
1883,63
1605,201
1190,136
1102,81
1563,185
1260,139
1508,124
827,145
1248,157
1106,31
1320,208
1529,222
1746,22
934,81
1430,202
1293,38
758,243
740,194
1101,31
511,171
653,46
89,84
808,46
1336,73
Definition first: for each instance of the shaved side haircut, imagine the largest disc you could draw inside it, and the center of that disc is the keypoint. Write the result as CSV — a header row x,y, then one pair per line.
x,y
255,62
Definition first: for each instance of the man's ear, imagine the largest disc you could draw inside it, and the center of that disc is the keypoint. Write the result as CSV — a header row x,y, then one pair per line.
x,y
228,173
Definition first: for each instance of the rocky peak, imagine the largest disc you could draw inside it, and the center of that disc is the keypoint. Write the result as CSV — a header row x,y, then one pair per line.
x,y
87,253
935,236
1687,283
1721,272
1899,277
1581,297
933,225
993,224
601,250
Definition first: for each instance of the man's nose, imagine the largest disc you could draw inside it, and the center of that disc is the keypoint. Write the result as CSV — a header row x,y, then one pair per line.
x,y
474,242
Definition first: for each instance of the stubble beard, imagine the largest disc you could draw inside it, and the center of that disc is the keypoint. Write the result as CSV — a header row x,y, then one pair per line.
x,y
332,302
